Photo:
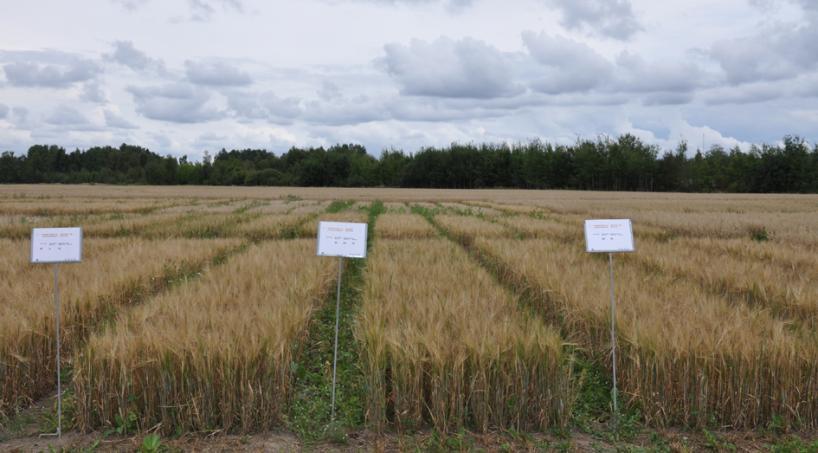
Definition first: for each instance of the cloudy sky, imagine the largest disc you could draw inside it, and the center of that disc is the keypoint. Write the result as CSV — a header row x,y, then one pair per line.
x,y
185,76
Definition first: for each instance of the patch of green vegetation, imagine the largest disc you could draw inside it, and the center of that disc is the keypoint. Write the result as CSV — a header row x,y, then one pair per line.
x,y
715,443
759,234
339,205
48,420
151,443
310,410
794,445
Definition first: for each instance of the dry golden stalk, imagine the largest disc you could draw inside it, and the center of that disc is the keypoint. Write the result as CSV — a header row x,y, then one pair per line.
x,y
214,354
464,226
113,273
443,344
687,354
269,226
310,229
403,226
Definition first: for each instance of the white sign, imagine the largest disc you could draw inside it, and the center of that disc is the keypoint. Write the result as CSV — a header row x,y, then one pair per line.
x,y
342,239
56,245
608,235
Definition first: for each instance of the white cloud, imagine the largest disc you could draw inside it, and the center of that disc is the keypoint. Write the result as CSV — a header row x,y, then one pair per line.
x,y
47,69
568,65
67,116
177,103
126,54
116,121
465,68
776,50
216,73
611,18
93,92
405,73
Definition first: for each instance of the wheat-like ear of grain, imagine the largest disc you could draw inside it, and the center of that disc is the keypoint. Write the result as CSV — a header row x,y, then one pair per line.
x,y
403,226
444,345
112,275
688,356
212,354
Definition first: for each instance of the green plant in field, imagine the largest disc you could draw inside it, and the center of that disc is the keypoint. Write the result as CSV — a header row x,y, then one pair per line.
x,y
338,206
759,234
309,414
777,425
713,442
124,424
48,420
795,445
594,396
151,443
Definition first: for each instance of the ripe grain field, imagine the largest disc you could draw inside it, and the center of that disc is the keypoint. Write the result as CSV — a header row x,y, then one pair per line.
x,y
477,321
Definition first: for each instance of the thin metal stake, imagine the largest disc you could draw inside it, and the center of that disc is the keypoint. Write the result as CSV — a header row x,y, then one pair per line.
x,y
337,320
613,336
58,316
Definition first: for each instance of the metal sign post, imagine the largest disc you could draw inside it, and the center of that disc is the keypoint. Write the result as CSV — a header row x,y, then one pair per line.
x,y
337,322
613,335
55,246
610,235
344,240
57,316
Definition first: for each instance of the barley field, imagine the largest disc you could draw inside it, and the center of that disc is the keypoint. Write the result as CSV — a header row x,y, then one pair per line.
x,y
201,309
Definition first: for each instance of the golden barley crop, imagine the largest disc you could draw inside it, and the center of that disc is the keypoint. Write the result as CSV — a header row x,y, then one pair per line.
x,y
214,354
464,226
57,207
688,356
717,308
788,292
310,229
113,273
443,344
270,226
403,226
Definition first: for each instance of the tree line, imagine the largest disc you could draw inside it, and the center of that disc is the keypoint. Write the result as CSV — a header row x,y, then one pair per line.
x,y
625,163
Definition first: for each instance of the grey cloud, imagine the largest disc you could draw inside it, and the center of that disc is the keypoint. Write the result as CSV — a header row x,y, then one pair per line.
x,y
4,111
93,92
216,73
356,110
611,18
744,94
667,98
20,115
266,105
778,51
329,91
67,116
176,103
130,5
50,75
637,75
126,54
203,10
566,65
445,68
451,5
116,121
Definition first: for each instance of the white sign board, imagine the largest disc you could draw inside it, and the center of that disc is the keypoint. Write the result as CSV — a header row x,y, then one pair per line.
x,y
56,245
342,239
608,235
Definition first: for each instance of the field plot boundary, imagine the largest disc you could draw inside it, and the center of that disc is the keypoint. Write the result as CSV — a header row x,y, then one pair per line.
x,y
33,370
